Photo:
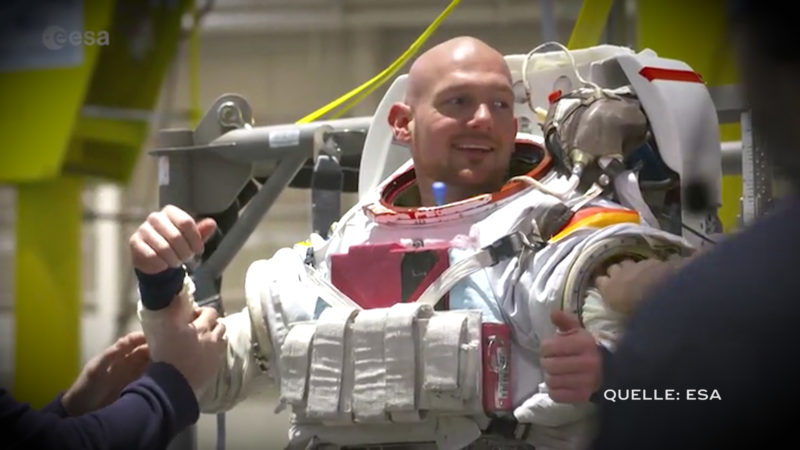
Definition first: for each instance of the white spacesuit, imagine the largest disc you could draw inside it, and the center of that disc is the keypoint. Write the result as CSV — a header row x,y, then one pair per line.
x,y
422,325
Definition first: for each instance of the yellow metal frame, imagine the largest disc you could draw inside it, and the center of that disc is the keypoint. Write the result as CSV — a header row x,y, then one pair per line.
x,y
42,107
41,117
48,291
50,147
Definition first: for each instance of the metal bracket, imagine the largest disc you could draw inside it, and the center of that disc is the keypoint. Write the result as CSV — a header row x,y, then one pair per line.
x,y
207,172
756,174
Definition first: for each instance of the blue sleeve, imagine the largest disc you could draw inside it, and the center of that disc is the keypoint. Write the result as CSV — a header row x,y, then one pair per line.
x,y
148,415
158,290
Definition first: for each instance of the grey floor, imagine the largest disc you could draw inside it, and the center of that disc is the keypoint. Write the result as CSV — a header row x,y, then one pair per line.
x,y
251,424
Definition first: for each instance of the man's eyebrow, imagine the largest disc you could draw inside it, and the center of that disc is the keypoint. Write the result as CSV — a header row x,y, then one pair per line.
x,y
461,87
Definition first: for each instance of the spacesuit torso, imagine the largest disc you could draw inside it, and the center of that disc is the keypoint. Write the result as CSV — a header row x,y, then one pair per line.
x,y
404,327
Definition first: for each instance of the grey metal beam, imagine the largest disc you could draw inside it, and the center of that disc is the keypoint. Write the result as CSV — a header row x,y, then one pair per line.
x,y
728,101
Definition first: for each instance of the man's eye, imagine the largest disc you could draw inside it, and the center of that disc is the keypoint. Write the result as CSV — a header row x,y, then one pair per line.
x,y
501,104
457,101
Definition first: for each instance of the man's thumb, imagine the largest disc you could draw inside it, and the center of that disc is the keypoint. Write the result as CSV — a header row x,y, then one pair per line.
x,y
206,228
564,321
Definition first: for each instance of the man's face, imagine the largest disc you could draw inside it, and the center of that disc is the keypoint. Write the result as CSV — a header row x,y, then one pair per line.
x,y
463,128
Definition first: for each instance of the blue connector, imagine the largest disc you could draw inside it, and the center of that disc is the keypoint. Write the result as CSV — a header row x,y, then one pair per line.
x,y
439,189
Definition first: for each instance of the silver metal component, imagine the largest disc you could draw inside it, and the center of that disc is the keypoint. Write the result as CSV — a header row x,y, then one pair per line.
x,y
731,157
230,116
603,180
756,174
728,102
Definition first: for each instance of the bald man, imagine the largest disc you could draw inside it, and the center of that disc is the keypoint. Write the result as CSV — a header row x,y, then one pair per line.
x,y
420,321
458,119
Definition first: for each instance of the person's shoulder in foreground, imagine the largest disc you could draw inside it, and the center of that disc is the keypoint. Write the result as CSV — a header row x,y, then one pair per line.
x,y
148,414
710,360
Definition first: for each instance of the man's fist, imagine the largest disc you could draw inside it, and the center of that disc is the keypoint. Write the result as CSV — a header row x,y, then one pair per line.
x,y
571,360
168,238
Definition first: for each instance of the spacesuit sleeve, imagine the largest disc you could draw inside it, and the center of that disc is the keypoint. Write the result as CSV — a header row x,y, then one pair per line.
x,y
236,375
604,323
240,374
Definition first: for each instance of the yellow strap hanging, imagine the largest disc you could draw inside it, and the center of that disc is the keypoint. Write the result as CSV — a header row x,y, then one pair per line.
x,y
368,87
591,22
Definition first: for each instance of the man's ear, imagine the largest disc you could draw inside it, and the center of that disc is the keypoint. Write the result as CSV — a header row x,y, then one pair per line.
x,y
400,121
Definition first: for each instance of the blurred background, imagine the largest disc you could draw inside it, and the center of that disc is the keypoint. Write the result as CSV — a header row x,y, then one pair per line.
x,y
87,85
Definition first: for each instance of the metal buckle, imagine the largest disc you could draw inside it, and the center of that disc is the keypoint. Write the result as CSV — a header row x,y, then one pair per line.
x,y
509,246
505,247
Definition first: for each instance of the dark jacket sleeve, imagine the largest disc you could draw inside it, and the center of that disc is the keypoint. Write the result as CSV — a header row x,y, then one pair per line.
x,y
607,359
55,406
709,360
148,414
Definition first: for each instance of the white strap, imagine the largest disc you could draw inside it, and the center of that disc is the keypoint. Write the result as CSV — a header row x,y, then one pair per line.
x,y
272,315
345,415
329,293
294,364
455,273
327,358
369,390
471,364
400,357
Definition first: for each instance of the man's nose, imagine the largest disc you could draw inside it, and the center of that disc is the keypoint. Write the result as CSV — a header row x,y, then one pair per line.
x,y
482,118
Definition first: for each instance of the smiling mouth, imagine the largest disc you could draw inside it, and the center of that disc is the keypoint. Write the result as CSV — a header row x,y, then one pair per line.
x,y
474,148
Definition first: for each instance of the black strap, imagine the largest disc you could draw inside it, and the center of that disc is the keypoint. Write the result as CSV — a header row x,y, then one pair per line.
x,y
326,191
508,428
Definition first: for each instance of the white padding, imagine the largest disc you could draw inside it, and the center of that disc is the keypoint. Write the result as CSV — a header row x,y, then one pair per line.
x,y
295,357
400,357
470,363
451,381
369,391
443,338
327,359
540,409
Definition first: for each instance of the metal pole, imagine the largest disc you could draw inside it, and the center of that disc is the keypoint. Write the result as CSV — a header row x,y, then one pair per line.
x,y
548,21
756,174
246,224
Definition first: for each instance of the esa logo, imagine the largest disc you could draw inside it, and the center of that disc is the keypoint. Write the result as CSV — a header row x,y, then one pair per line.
x,y
55,38
702,394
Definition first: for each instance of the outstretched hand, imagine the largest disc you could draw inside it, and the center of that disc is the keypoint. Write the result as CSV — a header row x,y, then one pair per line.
x,y
571,360
104,376
196,349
